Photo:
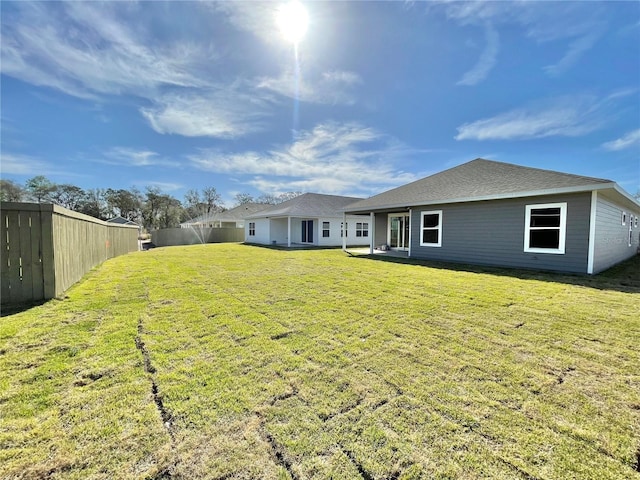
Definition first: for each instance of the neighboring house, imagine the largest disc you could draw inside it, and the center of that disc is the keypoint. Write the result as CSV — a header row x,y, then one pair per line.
x,y
233,218
308,219
122,221
492,213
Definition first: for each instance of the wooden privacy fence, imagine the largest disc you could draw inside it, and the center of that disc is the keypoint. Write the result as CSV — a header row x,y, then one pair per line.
x,y
46,248
196,235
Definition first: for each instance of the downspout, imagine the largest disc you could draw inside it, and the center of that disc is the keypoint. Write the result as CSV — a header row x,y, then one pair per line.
x,y
289,231
592,232
373,232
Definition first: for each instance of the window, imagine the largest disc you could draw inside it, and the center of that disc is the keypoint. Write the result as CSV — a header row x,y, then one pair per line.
x,y
362,229
343,232
252,229
545,228
636,222
431,228
630,236
624,218
325,230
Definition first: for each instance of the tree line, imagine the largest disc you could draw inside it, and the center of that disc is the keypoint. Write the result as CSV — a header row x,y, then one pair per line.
x,y
150,208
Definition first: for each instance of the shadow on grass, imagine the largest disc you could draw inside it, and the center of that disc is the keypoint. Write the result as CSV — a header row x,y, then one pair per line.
x,y
12,309
294,247
624,277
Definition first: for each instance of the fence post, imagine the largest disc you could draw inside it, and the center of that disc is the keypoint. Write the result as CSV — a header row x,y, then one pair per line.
x,y
48,260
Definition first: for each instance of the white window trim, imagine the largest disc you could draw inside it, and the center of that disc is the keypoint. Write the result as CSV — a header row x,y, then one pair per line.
x,y
563,228
439,228
624,218
252,229
328,229
363,230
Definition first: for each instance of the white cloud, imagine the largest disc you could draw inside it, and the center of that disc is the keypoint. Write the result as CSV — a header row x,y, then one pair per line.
x,y
94,50
333,88
258,18
487,59
18,164
628,140
163,186
581,24
84,50
221,113
136,158
576,49
332,158
570,116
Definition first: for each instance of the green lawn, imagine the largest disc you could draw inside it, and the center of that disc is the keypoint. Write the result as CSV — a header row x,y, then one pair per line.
x,y
232,361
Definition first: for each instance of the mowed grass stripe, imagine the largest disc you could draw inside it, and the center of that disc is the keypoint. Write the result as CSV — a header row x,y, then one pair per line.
x,y
315,364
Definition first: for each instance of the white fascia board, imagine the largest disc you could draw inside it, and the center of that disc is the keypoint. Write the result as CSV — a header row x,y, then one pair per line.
x,y
627,196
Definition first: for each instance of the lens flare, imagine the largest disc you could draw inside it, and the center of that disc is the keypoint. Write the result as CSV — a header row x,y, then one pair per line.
x,y
292,20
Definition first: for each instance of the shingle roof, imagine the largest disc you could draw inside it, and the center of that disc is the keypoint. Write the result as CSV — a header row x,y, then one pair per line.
x,y
241,212
308,205
478,179
235,214
121,221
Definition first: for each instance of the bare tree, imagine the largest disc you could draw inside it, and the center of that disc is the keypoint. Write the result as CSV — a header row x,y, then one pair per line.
x,y
11,191
212,200
68,196
272,199
125,203
95,204
242,198
160,210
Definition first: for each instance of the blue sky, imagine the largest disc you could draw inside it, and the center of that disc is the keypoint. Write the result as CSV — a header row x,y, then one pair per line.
x,y
189,95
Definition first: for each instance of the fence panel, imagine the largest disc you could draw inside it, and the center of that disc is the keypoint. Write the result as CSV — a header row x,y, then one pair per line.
x,y
22,269
37,270
5,275
193,236
46,249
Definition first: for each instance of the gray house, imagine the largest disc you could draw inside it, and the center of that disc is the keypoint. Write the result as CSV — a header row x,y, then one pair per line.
x,y
311,219
493,213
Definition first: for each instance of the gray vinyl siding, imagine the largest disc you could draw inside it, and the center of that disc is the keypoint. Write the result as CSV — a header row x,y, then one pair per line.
x,y
381,230
612,238
492,233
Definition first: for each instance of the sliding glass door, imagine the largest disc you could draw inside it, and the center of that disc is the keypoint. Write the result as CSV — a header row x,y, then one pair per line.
x,y
307,231
398,232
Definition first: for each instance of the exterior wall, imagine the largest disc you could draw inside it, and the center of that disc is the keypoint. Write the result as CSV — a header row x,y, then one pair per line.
x,y
381,229
275,229
335,226
279,230
492,233
47,248
263,234
334,239
195,235
611,237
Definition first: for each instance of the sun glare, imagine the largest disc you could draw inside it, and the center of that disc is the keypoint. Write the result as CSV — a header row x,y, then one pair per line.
x,y
292,20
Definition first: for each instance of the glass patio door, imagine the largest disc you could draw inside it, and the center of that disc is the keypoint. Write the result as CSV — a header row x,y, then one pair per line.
x,y
307,231
398,236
